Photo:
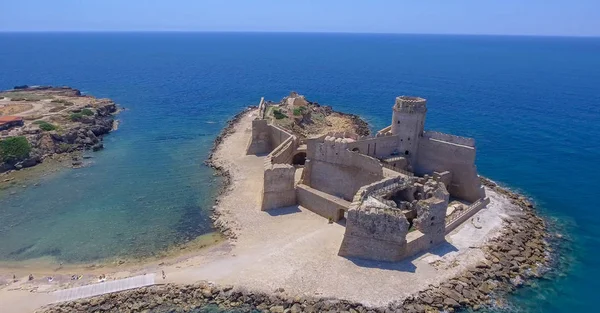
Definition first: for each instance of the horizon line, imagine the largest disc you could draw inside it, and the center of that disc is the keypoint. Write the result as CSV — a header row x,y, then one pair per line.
x,y
296,32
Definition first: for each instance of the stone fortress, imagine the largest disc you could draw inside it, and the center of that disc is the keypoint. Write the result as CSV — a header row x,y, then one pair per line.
x,y
399,192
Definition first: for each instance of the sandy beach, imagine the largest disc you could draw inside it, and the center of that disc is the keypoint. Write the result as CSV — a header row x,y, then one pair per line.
x,y
289,248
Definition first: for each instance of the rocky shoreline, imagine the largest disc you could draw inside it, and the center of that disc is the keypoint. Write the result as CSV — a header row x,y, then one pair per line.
x,y
77,123
221,226
519,253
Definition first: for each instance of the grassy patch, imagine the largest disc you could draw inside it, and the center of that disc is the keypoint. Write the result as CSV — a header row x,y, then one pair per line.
x,y
300,110
87,112
278,114
45,126
76,117
14,149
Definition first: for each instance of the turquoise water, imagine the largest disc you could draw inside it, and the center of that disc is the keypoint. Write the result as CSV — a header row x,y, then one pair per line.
x,y
532,104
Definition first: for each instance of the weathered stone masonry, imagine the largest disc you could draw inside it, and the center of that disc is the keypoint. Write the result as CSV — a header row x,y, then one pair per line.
x,y
393,188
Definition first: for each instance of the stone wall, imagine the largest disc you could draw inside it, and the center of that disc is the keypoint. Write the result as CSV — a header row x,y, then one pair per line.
x,y
469,142
265,137
379,147
375,233
439,156
284,152
372,230
335,170
464,216
260,141
278,189
321,203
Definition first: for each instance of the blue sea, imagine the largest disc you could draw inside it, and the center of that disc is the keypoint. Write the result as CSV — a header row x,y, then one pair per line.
x,y
531,103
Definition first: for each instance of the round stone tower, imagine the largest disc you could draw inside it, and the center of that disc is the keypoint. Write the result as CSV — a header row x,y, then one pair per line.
x,y
408,120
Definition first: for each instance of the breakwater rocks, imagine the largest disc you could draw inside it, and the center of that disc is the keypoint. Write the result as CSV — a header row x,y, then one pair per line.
x,y
518,253
173,298
229,129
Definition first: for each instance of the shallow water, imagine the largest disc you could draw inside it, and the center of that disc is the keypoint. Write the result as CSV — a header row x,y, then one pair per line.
x,y
532,104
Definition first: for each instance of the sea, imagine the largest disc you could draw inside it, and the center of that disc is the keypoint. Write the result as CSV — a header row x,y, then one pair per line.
x,y
531,103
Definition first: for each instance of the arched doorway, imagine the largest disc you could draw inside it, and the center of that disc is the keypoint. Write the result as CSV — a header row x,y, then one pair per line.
x,y
299,158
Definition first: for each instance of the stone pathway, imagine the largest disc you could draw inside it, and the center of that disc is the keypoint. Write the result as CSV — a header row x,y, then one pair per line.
x,y
103,288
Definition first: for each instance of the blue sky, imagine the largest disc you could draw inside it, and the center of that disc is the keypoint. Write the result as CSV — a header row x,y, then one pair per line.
x,y
507,17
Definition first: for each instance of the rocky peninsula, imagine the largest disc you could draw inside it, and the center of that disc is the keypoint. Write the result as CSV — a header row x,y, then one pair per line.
x,y
286,260
42,122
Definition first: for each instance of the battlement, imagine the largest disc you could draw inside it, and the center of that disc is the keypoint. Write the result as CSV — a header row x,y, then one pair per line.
x,y
410,104
464,141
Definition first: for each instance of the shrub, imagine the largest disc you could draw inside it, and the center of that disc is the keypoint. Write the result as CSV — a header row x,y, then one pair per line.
x,y
297,112
14,149
75,117
278,115
45,126
62,101
87,112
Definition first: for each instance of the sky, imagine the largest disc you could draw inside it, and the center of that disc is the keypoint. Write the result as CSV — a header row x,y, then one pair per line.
x,y
497,17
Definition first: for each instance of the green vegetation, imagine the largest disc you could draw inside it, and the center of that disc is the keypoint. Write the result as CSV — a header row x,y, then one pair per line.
x,y
14,149
278,114
45,126
299,110
76,117
64,147
87,112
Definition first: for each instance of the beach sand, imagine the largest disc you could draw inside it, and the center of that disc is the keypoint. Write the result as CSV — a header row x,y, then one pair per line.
x,y
290,248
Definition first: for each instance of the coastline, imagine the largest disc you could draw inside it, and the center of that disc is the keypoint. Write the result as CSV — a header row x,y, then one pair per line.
x,y
206,276
478,280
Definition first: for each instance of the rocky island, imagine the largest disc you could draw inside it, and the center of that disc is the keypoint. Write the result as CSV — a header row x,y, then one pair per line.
x,y
323,217
40,122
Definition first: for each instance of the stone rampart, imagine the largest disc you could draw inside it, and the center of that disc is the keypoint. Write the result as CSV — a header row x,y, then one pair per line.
x,y
335,170
470,142
380,146
468,213
321,203
439,156
278,188
260,141
285,151
266,138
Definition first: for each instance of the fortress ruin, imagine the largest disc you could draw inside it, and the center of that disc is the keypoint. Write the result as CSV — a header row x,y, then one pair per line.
x,y
400,192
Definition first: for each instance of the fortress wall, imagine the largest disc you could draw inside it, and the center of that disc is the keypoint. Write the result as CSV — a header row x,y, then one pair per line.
x,y
372,233
260,141
266,138
474,208
431,219
278,135
340,172
470,142
377,147
340,180
439,156
285,151
278,189
321,203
